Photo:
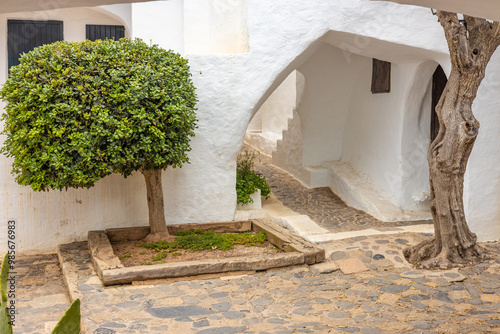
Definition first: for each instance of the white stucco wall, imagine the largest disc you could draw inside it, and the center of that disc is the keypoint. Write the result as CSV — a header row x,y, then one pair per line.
x,y
372,145
325,106
122,12
276,111
482,180
268,124
282,36
161,22
480,8
378,135
415,139
37,5
215,26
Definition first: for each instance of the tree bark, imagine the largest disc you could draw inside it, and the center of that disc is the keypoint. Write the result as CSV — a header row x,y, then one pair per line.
x,y
471,47
159,231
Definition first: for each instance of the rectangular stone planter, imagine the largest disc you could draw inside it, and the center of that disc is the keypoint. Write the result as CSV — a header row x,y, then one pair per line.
x,y
111,271
255,205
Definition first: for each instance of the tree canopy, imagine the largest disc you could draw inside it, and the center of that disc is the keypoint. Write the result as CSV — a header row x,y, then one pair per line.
x,y
78,111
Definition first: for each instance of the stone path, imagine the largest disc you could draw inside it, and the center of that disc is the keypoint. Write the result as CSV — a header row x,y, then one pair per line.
x,y
382,295
41,297
365,286
320,204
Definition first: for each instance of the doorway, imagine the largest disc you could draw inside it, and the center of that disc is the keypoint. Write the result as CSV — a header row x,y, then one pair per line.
x,y
439,81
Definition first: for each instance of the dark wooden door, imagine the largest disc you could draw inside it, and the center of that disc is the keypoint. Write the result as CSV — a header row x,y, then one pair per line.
x,y
24,35
103,32
439,81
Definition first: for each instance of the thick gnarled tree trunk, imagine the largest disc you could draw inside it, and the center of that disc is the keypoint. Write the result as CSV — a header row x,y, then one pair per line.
x,y
157,222
471,47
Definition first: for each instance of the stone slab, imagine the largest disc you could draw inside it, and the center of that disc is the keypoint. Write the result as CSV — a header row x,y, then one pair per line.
x,y
451,276
111,271
218,227
138,233
328,237
103,256
288,241
302,225
191,268
222,276
352,265
178,311
324,268
127,233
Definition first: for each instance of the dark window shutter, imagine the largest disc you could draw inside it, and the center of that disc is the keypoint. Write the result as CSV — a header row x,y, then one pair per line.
x,y
24,36
439,81
381,76
95,32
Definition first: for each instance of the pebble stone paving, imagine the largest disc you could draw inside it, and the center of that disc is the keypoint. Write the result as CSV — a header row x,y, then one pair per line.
x,y
367,288
389,297
41,297
320,204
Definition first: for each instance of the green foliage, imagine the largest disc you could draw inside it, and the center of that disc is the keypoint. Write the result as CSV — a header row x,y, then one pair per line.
x,y
200,240
3,281
247,180
70,322
5,320
124,256
77,112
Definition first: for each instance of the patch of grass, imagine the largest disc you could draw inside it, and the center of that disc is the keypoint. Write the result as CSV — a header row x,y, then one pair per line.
x,y
124,256
201,240
160,256
147,263
177,254
142,253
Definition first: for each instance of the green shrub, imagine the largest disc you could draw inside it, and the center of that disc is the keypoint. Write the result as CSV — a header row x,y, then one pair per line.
x,y
77,112
247,180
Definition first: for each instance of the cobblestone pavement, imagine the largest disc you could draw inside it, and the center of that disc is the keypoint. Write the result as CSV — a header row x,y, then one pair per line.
x,y
320,204
41,297
382,295
365,286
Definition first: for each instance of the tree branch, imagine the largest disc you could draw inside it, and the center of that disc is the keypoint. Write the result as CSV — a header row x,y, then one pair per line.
x,y
457,38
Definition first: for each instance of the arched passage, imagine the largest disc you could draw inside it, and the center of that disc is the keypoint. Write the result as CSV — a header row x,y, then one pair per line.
x,y
357,143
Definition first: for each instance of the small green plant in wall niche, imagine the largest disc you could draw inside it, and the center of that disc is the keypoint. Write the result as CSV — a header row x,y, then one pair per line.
x,y
69,323
247,180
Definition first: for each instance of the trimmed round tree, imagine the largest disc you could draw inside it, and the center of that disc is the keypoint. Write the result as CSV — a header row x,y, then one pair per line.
x,y
77,112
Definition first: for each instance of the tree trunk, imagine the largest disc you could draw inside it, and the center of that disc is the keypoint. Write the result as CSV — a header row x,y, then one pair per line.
x,y
159,231
471,48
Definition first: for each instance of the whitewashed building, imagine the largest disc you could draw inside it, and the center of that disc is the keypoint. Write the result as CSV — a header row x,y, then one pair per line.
x,y
296,78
